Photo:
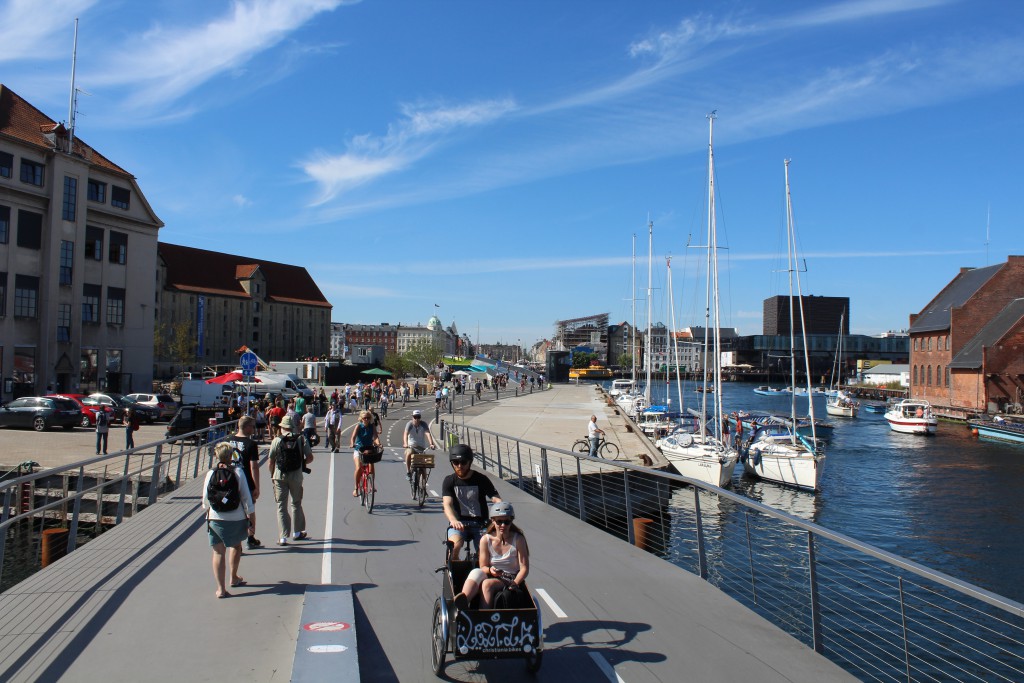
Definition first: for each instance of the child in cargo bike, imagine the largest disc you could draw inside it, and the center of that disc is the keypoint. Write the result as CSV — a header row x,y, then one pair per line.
x,y
504,560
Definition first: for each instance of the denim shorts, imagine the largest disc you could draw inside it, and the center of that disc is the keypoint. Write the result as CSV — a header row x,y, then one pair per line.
x,y
228,532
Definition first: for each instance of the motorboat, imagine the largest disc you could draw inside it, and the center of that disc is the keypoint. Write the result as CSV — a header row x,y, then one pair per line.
x,y
621,386
769,391
591,372
912,416
781,424
999,428
658,421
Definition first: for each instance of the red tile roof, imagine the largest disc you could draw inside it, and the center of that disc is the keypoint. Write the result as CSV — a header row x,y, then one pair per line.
x,y
212,272
21,121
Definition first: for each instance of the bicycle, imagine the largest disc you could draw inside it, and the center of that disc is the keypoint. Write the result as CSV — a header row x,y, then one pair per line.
x,y
421,464
367,488
605,449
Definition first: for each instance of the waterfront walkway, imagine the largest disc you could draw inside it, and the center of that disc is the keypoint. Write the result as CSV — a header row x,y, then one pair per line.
x,y
138,602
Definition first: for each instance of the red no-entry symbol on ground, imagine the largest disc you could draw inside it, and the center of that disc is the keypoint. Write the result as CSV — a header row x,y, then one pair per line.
x,y
325,626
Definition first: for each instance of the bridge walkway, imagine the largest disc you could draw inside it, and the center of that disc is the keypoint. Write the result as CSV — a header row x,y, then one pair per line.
x,y
139,600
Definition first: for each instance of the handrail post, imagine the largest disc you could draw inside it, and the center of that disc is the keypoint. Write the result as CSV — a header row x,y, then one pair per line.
x,y
153,485
181,458
750,555
544,481
519,463
124,491
630,532
702,558
4,516
579,489
812,566
497,449
73,532
903,618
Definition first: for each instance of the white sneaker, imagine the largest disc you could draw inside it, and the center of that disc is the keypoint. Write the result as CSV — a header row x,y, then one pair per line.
x,y
283,541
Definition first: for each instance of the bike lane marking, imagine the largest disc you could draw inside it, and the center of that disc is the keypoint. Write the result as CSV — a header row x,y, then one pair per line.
x,y
606,668
551,603
325,563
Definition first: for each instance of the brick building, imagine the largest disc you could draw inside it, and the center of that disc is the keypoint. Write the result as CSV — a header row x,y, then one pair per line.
x,y
966,344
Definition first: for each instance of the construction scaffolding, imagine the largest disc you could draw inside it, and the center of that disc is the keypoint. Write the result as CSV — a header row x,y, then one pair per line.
x,y
590,331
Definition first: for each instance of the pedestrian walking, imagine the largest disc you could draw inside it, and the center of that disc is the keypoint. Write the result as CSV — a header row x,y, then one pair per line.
x,y
289,453
131,424
247,458
102,430
229,515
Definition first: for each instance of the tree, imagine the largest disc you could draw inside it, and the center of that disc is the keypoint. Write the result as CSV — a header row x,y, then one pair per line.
x,y
182,344
626,361
397,364
582,359
425,353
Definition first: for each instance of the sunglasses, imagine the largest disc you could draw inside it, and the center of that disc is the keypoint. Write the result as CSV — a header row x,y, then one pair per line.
x,y
502,522
415,417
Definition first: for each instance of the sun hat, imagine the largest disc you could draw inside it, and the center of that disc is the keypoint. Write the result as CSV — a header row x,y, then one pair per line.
x,y
286,423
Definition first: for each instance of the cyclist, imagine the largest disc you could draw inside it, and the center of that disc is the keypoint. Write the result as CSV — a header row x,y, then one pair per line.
x,y
465,494
364,437
416,436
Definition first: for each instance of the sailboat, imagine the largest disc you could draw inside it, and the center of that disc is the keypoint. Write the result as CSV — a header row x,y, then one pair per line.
x,y
839,403
790,459
703,455
634,403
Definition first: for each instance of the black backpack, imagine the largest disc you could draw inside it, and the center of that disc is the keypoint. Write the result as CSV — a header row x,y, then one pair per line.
x,y
289,453
101,418
222,491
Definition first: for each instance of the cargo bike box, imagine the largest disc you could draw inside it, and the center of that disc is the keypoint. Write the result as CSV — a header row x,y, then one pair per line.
x,y
483,633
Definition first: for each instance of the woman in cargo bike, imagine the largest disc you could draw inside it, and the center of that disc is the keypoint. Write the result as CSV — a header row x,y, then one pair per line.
x,y
504,560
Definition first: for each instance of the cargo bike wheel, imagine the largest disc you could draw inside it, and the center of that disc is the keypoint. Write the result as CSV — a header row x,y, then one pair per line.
x,y
439,646
534,660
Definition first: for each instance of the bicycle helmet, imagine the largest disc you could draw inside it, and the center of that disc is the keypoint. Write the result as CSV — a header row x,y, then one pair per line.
x,y
461,453
502,509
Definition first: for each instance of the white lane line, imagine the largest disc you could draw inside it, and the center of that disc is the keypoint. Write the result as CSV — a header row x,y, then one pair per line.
x,y
325,565
551,603
606,668
433,493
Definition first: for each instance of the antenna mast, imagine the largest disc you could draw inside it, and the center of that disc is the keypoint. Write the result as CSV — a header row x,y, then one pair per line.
x,y
74,97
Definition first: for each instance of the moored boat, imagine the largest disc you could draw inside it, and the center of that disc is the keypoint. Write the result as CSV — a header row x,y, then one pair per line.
x,y
912,416
842,405
999,429
621,386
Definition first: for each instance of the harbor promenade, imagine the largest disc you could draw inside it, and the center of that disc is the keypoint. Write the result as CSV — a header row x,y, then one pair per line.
x,y
138,601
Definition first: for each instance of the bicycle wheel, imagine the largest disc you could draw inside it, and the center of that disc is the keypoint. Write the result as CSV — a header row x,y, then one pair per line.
x,y
412,482
439,646
421,487
368,483
362,487
609,451
581,446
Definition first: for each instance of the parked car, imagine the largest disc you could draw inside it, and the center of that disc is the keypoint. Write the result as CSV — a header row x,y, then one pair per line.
x,y
40,413
120,404
191,417
163,403
89,408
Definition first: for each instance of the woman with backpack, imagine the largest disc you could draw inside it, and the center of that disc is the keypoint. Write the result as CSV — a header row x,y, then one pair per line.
x,y
229,516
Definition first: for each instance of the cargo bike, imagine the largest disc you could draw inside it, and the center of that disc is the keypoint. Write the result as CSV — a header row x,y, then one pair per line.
x,y
476,633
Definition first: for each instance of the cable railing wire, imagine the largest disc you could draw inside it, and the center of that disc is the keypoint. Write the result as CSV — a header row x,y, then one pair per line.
x,y
880,616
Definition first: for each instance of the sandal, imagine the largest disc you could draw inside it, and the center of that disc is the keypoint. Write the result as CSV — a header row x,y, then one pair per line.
x,y
236,584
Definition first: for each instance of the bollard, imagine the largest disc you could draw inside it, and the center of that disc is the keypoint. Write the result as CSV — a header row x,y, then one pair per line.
x,y
640,532
55,545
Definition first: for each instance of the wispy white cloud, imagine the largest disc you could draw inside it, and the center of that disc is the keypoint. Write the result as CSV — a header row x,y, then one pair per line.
x,y
410,139
31,29
164,63
241,201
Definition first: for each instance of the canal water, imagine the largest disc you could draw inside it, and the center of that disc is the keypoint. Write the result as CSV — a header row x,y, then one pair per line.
x,y
951,502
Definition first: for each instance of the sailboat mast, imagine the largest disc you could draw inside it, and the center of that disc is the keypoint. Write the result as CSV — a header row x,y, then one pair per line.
x,y
792,317
707,292
632,348
675,339
647,339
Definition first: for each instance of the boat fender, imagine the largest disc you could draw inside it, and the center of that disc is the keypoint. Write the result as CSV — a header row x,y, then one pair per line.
x,y
685,440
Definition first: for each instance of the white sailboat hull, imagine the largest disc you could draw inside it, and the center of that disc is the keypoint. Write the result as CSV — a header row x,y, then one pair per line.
x,y
696,457
784,463
840,410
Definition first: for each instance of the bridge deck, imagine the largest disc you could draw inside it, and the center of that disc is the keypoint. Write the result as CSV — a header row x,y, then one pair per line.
x,y
139,600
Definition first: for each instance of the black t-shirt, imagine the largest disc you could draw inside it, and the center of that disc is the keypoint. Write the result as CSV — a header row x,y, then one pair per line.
x,y
470,495
248,452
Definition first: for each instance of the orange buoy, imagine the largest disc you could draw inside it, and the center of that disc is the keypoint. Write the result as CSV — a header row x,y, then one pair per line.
x,y
974,431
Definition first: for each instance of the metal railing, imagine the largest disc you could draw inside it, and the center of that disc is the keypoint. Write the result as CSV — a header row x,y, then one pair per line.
x,y
86,497
880,616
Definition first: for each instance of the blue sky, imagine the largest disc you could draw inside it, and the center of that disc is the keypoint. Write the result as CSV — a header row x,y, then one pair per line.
x,y
496,158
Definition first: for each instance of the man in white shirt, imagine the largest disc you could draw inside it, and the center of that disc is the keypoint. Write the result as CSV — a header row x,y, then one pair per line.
x,y
594,433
